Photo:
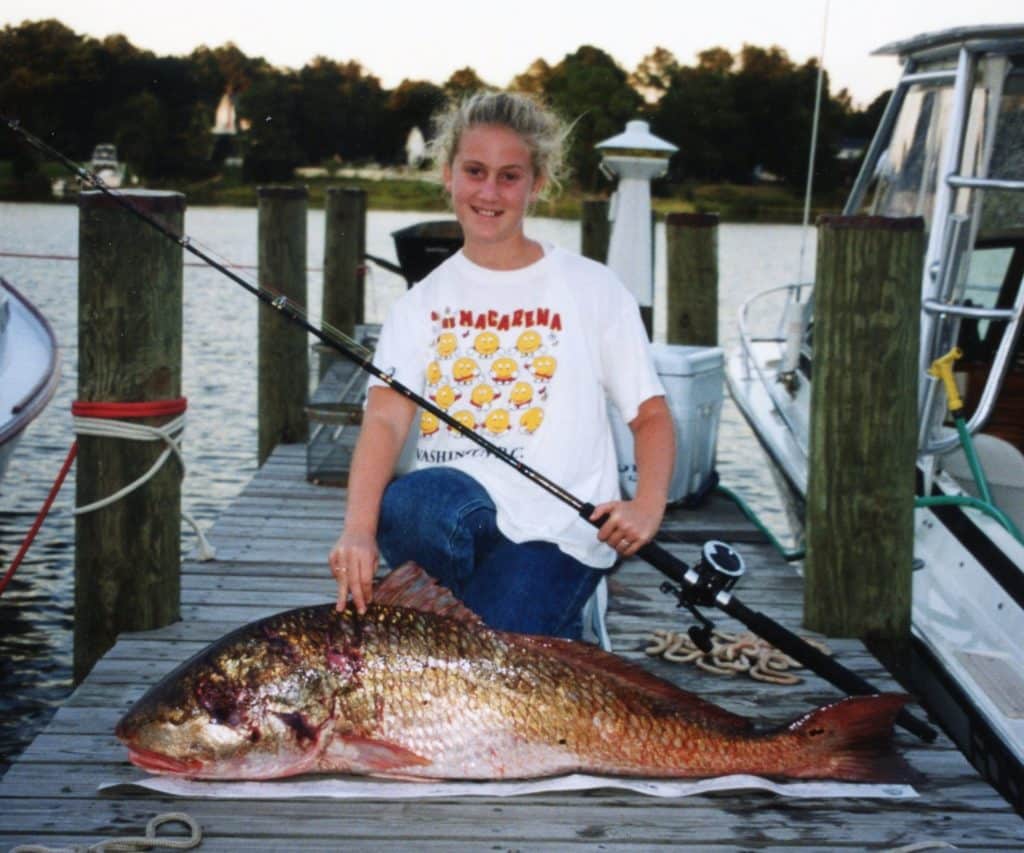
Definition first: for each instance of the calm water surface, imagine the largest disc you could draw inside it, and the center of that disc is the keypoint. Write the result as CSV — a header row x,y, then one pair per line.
x,y
219,378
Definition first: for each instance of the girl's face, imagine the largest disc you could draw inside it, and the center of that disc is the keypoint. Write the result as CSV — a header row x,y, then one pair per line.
x,y
491,182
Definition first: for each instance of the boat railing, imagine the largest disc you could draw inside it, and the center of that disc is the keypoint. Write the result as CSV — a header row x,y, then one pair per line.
x,y
964,182
751,365
947,310
1000,364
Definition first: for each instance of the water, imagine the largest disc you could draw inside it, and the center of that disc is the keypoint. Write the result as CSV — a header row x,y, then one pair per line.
x,y
219,379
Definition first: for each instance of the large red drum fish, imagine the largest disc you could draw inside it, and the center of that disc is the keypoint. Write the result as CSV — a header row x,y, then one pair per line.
x,y
419,688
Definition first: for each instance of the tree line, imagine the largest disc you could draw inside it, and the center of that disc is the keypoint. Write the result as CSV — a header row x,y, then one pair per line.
x,y
732,115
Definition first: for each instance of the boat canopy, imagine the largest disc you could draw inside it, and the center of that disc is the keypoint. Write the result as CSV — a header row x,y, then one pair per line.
x,y
951,40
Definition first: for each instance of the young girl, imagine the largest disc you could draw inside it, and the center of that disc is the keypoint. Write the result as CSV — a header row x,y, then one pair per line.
x,y
523,342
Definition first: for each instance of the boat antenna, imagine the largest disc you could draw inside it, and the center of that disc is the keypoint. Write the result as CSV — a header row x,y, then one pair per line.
x,y
707,584
814,144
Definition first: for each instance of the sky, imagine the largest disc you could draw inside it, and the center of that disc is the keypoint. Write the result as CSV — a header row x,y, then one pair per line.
x,y
399,39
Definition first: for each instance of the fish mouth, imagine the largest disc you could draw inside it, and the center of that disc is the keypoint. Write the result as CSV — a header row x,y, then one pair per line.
x,y
157,762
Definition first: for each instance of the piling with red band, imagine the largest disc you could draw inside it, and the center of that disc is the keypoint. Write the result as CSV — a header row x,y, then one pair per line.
x,y
127,554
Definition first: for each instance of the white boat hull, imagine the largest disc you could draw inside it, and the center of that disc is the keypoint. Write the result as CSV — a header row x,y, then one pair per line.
x,y
29,369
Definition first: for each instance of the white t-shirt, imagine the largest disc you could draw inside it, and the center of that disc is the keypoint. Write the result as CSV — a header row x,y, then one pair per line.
x,y
527,358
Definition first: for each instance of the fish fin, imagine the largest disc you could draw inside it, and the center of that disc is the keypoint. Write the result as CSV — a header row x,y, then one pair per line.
x,y
851,740
369,755
649,693
410,586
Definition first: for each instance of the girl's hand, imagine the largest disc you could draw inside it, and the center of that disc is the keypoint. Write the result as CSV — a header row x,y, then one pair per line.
x,y
629,524
353,561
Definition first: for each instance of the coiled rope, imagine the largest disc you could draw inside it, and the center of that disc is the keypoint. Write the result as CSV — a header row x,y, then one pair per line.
x,y
109,420
149,841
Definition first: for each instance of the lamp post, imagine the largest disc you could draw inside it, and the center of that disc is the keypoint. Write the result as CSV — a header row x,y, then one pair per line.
x,y
635,157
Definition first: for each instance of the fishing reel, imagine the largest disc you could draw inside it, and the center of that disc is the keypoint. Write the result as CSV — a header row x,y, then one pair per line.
x,y
717,571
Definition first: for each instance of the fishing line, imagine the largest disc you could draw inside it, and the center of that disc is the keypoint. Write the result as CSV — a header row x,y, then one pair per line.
x,y
814,143
707,584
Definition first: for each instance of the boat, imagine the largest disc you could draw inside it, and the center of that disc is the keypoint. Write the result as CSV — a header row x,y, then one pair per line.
x,y
103,163
29,367
950,149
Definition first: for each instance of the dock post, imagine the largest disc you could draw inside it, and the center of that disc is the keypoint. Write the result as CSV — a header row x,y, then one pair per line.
x,y
595,229
863,428
283,361
344,258
692,278
128,553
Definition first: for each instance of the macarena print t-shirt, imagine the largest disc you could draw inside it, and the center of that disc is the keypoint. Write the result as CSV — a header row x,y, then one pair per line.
x,y
527,358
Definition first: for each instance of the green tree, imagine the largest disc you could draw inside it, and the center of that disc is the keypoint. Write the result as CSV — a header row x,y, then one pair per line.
x,y
463,82
698,114
534,79
653,76
590,89
413,103
273,150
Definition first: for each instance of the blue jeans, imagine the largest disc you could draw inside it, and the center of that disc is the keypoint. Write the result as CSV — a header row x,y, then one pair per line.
x,y
444,520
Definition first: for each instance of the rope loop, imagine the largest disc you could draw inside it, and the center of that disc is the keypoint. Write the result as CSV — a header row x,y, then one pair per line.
x,y
149,841
114,420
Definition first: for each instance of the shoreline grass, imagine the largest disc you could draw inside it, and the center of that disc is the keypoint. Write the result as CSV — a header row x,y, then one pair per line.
x,y
765,203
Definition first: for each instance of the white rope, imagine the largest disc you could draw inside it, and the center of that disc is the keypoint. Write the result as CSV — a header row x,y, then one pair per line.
x,y
170,433
149,841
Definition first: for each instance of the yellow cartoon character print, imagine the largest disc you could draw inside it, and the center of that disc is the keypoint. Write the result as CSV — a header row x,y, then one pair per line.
x,y
504,369
429,424
446,345
445,396
531,419
543,367
498,422
464,417
464,370
521,395
433,373
528,342
486,344
482,396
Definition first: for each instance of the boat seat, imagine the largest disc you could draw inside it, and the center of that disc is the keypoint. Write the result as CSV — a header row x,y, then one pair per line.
x,y
1003,465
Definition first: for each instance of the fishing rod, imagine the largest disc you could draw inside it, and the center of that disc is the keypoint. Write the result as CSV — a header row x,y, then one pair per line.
x,y
706,584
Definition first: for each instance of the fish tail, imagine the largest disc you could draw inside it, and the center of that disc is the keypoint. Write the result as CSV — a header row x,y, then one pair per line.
x,y
851,740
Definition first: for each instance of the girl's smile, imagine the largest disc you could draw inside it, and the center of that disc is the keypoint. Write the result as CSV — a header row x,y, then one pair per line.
x,y
492,182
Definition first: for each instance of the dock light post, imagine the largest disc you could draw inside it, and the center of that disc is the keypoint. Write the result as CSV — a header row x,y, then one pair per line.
x,y
635,157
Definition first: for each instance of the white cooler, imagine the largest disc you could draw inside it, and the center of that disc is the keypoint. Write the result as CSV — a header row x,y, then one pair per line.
x,y
694,379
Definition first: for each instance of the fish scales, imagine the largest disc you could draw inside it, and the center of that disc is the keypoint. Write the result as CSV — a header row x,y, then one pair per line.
x,y
418,687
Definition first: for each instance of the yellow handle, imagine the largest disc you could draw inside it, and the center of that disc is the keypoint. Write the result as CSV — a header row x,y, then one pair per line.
x,y
942,368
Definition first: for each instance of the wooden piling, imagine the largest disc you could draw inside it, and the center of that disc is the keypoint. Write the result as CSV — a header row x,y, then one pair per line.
x,y
344,258
692,278
127,554
283,362
863,427
595,229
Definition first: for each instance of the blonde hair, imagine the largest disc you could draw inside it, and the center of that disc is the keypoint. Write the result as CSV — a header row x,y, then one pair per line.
x,y
543,131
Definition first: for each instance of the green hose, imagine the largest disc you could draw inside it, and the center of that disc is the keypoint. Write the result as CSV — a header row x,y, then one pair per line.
x,y
974,503
972,460
788,555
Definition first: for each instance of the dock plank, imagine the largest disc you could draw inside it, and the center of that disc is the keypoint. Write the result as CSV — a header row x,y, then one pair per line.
x,y
272,544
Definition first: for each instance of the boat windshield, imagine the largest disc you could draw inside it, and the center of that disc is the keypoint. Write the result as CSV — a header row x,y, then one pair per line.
x,y
906,176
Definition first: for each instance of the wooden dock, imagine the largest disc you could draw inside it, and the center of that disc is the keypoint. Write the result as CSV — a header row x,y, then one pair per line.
x,y
272,544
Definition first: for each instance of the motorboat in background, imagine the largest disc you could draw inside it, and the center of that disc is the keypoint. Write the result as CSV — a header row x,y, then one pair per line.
x,y
104,164
29,368
949,148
